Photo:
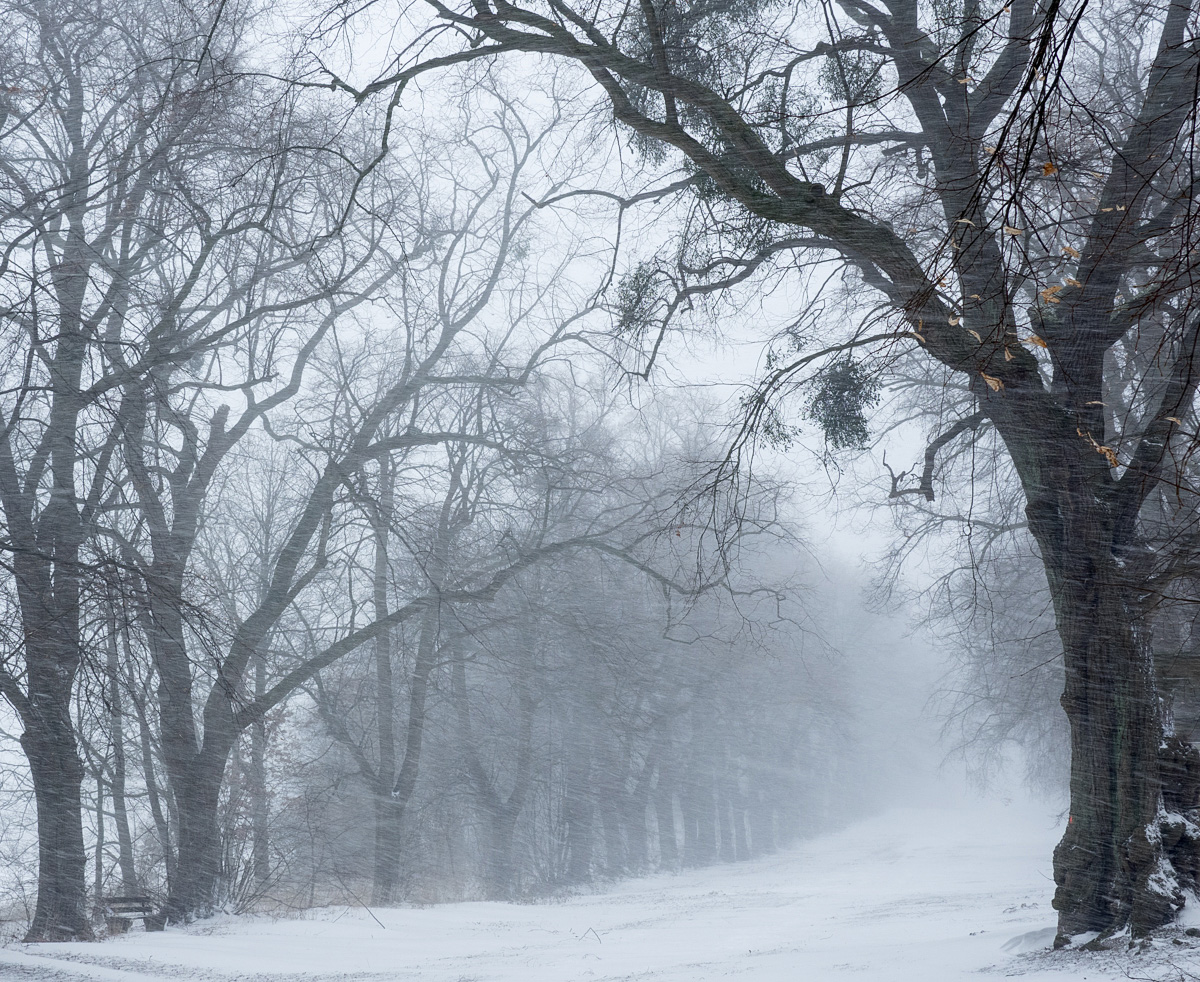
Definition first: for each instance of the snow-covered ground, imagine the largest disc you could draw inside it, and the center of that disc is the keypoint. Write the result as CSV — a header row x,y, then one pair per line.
x,y
927,894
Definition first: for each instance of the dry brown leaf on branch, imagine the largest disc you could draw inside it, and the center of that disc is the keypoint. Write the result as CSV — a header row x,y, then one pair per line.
x,y
1012,231
1108,453
955,321
1048,294
1048,169
993,383
1034,339
975,334
1071,251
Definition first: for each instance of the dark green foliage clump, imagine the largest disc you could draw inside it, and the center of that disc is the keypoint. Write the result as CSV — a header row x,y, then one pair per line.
x,y
638,299
844,392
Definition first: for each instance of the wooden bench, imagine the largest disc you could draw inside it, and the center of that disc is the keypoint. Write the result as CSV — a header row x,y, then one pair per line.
x,y
118,912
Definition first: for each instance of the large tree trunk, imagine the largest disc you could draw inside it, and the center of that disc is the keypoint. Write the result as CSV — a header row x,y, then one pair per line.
x,y
61,912
197,789
389,838
1109,865
1112,868
50,617
48,588
195,764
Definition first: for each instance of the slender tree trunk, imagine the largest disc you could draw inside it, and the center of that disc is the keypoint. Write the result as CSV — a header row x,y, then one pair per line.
x,y
762,836
735,811
664,814
579,813
700,814
260,804
706,815
161,825
117,739
726,817
500,875
635,826
616,856
98,846
388,814
689,807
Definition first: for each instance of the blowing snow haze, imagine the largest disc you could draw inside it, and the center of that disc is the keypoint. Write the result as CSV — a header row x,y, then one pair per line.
x,y
511,489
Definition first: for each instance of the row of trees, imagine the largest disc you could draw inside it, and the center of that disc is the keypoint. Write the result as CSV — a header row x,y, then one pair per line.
x,y
298,447
567,740
1001,201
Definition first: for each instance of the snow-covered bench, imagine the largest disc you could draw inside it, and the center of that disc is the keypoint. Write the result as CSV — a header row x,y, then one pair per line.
x,y
118,912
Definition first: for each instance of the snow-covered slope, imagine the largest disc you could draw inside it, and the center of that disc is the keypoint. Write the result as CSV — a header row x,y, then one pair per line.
x,y
914,894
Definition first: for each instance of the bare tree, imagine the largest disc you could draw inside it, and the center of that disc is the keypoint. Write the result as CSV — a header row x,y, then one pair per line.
x,y
438,259
128,135
1016,211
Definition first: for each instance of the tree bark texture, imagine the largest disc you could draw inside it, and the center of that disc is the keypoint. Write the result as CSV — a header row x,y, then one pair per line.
x,y
61,912
1113,866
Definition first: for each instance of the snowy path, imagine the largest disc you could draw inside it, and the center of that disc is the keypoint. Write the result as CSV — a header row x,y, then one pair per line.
x,y
910,895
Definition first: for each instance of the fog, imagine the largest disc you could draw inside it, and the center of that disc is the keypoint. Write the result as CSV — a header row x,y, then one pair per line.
x,y
598,456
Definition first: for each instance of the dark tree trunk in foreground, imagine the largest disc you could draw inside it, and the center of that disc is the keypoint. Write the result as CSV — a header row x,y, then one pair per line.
x,y
194,890
1106,866
61,913
1109,867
